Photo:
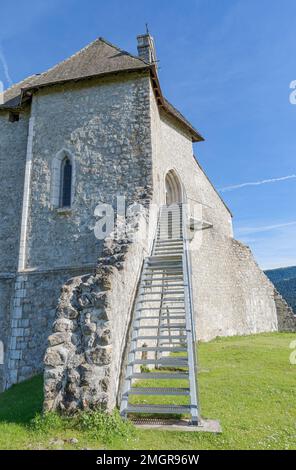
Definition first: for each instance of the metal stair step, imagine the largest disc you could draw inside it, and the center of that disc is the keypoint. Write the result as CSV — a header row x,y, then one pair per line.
x,y
164,252
182,326
164,247
162,239
165,291
164,337
165,270
159,391
160,349
168,278
169,257
176,253
164,362
159,309
164,317
170,241
177,262
171,248
160,375
165,284
168,222
164,299
161,265
162,409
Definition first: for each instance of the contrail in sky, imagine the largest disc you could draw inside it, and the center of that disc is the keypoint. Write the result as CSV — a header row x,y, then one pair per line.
x,y
5,67
263,228
257,183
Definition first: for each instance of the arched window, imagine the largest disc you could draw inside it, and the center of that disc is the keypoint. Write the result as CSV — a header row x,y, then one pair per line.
x,y
63,180
66,183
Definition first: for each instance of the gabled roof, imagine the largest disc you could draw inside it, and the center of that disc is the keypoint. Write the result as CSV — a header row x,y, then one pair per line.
x,y
99,58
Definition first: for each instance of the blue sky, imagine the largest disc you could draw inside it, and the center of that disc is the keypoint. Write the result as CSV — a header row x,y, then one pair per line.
x,y
226,64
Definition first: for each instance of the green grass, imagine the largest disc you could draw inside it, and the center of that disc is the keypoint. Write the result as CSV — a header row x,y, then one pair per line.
x,y
247,383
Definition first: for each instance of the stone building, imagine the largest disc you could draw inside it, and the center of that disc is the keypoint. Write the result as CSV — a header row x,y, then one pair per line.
x,y
94,127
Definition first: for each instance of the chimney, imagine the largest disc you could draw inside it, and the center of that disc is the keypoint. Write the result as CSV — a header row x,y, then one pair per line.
x,y
146,48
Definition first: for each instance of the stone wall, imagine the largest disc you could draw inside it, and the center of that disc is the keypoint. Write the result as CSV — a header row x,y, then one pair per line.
x,y
13,145
105,126
285,314
232,295
34,296
6,289
85,353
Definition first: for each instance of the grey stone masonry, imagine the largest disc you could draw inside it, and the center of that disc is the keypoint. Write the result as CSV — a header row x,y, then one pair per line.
x,y
30,320
13,145
285,314
104,125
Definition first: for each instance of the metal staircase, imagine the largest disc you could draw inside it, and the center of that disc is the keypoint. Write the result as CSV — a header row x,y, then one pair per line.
x,y
163,344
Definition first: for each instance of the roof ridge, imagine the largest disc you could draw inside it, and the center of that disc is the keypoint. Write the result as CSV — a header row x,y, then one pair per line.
x,y
76,54
123,50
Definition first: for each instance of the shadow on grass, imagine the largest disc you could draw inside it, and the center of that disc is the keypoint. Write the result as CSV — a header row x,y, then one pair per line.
x,y
21,402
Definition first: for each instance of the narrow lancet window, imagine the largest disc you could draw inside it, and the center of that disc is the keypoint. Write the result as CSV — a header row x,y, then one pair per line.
x,y
66,183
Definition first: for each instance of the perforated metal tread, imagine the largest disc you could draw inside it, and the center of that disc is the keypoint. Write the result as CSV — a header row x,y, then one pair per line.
x,y
160,349
164,337
163,318
180,326
165,362
160,375
159,391
162,409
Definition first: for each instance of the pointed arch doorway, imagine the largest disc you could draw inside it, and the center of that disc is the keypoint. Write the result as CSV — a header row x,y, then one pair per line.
x,y
173,188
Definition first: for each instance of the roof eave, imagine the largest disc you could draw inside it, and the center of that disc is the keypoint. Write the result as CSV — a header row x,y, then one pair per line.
x,y
26,90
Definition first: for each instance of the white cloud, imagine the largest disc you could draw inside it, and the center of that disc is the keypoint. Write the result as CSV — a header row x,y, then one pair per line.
x,y
257,183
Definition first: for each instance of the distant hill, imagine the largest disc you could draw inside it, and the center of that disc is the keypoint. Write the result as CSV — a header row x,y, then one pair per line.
x,y
284,280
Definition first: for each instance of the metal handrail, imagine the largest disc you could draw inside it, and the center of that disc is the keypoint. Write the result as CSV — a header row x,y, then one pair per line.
x,y
188,285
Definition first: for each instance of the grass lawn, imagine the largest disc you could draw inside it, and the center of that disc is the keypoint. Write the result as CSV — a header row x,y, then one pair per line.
x,y
247,383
